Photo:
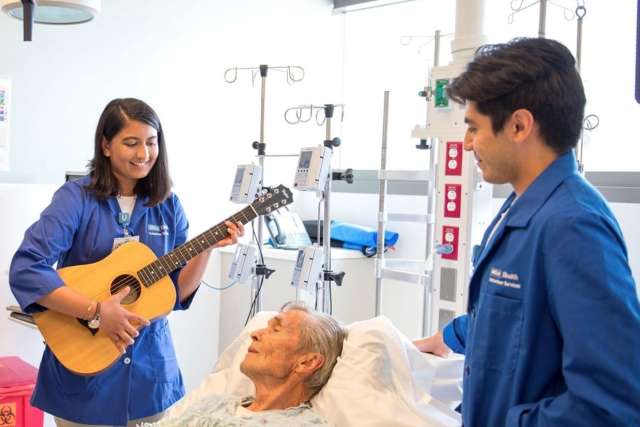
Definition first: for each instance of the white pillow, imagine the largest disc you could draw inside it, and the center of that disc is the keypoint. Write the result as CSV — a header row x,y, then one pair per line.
x,y
381,379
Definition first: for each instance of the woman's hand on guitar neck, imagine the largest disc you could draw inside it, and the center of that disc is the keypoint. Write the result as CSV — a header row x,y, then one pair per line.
x,y
118,323
234,230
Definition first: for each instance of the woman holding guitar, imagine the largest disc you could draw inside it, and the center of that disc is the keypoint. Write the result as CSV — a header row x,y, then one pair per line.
x,y
126,197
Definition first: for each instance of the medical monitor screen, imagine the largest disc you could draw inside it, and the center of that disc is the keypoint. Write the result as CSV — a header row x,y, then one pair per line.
x,y
239,175
300,259
305,160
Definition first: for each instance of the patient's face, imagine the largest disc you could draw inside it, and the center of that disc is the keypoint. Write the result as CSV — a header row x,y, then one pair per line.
x,y
274,349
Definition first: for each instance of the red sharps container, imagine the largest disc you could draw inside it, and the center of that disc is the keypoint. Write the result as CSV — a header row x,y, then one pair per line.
x,y
17,380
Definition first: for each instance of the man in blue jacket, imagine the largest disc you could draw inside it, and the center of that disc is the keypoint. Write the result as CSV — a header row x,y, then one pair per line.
x,y
552,331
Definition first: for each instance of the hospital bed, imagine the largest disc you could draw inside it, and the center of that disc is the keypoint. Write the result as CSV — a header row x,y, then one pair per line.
x,y
380,380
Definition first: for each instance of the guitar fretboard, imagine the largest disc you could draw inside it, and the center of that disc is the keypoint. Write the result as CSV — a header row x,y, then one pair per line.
x,y
178,257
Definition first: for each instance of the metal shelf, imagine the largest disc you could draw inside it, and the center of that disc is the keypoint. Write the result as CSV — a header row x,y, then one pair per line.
x,y
406,270
406,175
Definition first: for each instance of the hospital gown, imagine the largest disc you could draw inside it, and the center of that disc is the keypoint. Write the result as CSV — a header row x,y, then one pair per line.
x,y
224,411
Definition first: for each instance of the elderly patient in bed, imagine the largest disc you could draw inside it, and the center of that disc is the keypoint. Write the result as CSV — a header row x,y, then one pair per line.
x,y
288,362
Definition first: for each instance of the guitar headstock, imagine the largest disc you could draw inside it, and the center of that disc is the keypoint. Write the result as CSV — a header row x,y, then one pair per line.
x,y
271,199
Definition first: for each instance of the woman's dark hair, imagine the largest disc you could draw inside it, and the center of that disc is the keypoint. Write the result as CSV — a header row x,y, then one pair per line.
x,y
531,73
157,184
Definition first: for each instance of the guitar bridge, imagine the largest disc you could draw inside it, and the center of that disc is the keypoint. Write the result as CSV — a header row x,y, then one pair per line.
x,y
85,323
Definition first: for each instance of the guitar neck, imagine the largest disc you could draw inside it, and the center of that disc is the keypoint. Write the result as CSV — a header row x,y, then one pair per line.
x,y
178,257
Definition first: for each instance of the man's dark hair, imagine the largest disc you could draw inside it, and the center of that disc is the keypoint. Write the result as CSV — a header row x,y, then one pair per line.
x,y
157,184
531,73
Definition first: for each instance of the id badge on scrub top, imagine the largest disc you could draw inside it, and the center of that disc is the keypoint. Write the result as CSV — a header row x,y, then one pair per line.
x,y
119,241
123,221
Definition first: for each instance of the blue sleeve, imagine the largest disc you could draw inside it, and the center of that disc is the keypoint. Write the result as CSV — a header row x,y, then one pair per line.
x,y
181,230
455,334
594,304
31,275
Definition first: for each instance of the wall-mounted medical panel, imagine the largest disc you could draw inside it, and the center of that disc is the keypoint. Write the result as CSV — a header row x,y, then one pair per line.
x,y
453,159
452,201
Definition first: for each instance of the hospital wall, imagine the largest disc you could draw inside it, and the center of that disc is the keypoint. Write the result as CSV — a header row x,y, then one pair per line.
x,y
175,59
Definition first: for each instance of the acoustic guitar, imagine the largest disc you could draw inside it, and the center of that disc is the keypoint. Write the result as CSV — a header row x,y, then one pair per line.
x,y
85,351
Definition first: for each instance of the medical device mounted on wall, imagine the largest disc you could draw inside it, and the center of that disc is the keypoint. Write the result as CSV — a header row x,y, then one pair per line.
x,y
458,201
87,351
462,207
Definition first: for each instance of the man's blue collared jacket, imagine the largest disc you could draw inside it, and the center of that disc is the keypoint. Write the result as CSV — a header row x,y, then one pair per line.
x,y
552,331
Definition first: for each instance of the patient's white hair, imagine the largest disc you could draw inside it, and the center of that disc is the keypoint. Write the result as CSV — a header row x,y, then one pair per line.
x,y
319,333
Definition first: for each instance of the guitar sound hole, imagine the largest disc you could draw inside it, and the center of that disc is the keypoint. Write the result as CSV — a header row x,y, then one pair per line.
x,y
122,282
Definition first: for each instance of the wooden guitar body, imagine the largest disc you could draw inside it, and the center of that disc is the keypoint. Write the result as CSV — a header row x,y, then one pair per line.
x,y
71,341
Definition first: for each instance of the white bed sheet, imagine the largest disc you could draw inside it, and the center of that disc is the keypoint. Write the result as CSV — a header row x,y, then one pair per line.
x,y
380,380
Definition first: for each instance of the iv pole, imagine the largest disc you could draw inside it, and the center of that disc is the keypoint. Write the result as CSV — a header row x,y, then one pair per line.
x,y
323,293
262,272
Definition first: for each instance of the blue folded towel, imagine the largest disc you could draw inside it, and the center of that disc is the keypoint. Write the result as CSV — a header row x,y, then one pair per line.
x,y
360,238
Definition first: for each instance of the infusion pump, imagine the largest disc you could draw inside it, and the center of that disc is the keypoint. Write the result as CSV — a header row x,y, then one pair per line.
x,y
244,263
246,184
308,268
314,167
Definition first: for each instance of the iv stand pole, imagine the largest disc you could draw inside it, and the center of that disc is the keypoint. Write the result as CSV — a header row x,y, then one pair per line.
x,y
262,272
324,293
258,279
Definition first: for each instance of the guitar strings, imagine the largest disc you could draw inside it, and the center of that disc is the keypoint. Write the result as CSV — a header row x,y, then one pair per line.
x,y
119,285
135,284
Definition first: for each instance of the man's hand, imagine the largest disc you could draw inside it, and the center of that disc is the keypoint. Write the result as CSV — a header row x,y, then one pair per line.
x,y
235,231
118,323
433,344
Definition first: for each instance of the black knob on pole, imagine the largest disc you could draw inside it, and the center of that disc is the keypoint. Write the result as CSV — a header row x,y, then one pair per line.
x,y
424,145
335,277
348,176
328,110
260,146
